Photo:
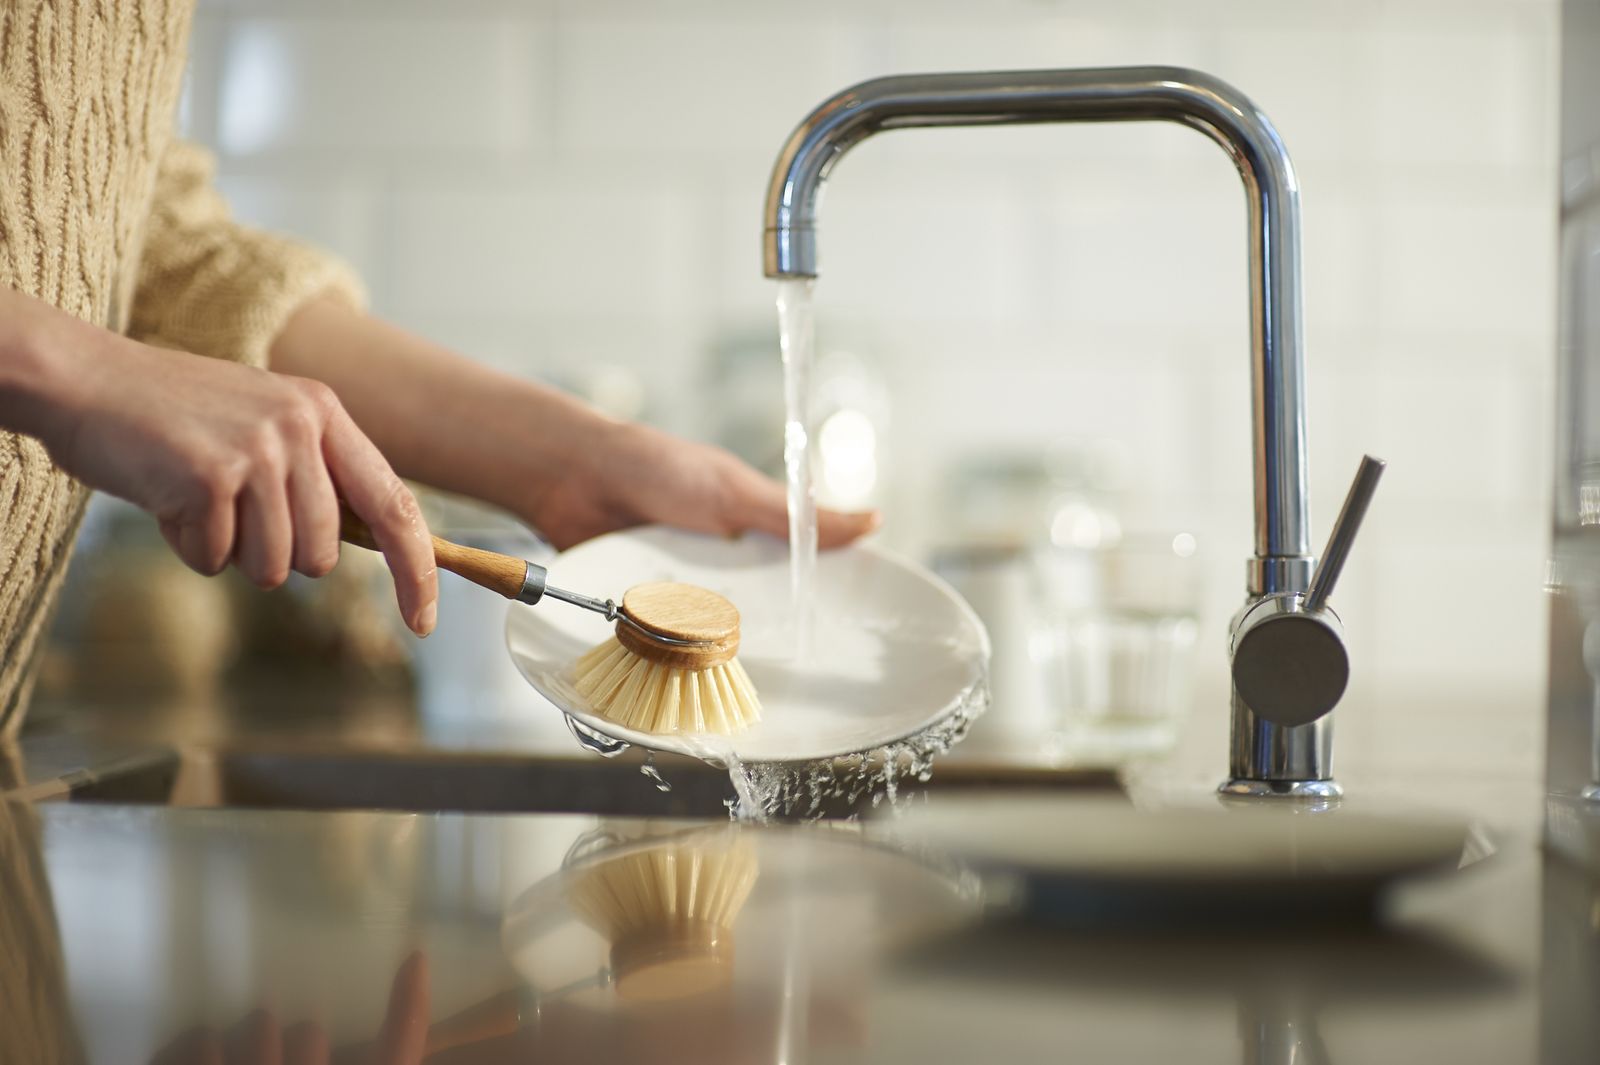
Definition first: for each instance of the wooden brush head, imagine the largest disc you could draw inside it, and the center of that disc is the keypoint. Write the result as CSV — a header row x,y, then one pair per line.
x,y
672,961
680,612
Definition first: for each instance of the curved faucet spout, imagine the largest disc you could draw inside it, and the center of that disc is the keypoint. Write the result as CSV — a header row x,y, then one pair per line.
x,y
1282,561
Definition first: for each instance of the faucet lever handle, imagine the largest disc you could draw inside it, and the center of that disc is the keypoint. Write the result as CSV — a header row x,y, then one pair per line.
x,y
1344,532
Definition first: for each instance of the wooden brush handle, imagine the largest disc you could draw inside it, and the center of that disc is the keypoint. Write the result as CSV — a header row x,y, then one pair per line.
x,y
492,1018
487,569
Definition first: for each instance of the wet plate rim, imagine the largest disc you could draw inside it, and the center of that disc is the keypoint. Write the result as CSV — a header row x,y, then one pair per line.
x,y
539,637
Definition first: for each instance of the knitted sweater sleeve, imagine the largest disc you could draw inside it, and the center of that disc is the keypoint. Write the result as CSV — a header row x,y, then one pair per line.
x,y
210,286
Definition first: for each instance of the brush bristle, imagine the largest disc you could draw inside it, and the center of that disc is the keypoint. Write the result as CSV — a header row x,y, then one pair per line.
x,y
650,697
664,887
667,914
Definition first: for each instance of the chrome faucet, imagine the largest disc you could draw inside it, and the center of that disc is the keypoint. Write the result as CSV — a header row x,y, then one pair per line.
x,y
1288,658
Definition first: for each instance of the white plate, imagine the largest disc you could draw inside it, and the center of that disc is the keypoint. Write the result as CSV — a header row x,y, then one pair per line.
x,y
895,649
1101,858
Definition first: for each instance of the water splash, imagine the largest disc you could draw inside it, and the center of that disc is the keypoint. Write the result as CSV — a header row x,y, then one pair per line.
x,y
810,790
797,342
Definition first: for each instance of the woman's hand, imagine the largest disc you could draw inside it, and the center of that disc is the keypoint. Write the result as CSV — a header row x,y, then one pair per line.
x,y
237,464
570,473
634,475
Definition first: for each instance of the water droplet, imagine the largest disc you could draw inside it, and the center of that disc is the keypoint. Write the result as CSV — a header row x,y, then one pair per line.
x,y
590,740
652,773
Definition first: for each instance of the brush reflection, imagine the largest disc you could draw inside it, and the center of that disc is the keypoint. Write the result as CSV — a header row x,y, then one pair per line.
x,y
668,915
629,952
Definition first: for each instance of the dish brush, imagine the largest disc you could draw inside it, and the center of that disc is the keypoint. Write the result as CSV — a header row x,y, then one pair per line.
x,y
688,682
667,914
670,665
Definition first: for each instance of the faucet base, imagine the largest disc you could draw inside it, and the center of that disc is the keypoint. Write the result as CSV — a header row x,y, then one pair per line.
x,y
1245,787
1592,793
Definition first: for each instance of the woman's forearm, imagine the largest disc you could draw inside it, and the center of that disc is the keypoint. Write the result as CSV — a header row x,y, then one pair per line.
x,y
42,352
566,470
441,419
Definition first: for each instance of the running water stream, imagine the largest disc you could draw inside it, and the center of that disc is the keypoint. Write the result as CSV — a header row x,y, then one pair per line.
x,y
797,341
802,789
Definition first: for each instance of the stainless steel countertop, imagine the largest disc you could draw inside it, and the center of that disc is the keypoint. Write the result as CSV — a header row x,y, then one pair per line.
x,y
848,948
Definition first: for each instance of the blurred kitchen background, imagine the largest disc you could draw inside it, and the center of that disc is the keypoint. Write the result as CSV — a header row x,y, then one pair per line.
x,y
1037,337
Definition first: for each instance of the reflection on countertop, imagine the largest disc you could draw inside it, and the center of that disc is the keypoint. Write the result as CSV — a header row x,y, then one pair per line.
x,y
577,938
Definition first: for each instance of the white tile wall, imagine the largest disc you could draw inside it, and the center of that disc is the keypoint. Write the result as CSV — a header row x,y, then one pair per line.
x,y
561,183
906,251
674,85
1469,91
335,210
1127,252
547,244
1479,236
350,82
1047,35
1306,78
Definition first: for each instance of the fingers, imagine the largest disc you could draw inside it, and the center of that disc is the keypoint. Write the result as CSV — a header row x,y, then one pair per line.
x,y
204,545
305,1044
310,488
201,529
378,497
265,543
263,490
316,519
256,1040
198,1046
836,528
266,529
762,506
404,1038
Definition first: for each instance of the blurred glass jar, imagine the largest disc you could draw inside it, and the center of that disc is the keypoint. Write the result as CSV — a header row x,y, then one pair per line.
x,y
995,516
134,622
1093,627
1122,664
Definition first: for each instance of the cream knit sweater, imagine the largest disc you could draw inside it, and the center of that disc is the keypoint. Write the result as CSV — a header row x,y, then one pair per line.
x,y
106,215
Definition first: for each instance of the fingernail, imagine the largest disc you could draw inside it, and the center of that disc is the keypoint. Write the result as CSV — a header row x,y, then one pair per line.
x,y
428,618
